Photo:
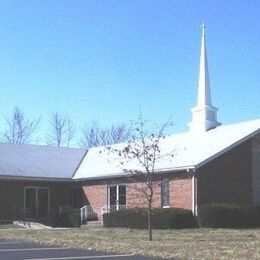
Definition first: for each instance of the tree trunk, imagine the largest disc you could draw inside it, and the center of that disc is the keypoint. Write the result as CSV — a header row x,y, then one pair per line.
x,y
150,229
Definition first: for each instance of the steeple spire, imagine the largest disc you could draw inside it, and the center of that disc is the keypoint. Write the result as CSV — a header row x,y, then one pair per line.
x,y
204,96
204,115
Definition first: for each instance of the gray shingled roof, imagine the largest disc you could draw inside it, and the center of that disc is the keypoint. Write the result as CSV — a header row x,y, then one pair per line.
x,y
38,161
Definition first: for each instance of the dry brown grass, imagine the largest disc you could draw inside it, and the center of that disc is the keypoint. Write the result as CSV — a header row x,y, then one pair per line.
x,y
174,244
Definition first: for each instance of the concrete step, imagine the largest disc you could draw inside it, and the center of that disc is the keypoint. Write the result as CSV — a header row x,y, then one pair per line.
x,y
94,224
31,225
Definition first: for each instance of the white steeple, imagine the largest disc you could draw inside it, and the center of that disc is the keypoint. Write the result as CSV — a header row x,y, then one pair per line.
x,y
204,115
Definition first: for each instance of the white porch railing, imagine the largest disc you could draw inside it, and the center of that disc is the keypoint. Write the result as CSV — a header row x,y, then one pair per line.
x,y
88,212
111,208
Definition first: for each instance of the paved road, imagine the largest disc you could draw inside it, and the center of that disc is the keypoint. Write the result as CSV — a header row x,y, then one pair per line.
x,y
11,250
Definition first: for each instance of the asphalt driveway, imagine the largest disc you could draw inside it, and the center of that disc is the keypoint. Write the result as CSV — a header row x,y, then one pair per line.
x,y
13,250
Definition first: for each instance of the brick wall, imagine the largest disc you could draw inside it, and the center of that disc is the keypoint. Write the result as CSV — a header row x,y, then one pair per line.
x,y
96,196
227,179
180,187
181,193
135,198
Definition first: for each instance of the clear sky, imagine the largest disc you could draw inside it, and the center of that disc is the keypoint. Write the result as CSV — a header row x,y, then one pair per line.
x,y
105,60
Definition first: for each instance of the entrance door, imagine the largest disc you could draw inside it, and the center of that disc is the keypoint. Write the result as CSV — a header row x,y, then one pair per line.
x,y
36,202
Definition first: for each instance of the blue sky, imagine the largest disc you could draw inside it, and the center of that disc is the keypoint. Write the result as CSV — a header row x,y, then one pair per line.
x,y
105,60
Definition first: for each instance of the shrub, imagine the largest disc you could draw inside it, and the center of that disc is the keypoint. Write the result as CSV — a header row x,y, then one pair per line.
x,y
161,218
220,216
252,217
173,218
131,218
69,218
3,221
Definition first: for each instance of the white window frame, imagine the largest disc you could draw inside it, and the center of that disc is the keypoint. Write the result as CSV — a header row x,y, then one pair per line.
x,y
117,194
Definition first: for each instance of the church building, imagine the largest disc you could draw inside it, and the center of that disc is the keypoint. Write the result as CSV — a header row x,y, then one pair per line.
x,y
212,163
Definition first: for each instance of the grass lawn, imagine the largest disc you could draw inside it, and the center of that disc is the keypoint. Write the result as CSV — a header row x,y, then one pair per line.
x,y
178,244
8,226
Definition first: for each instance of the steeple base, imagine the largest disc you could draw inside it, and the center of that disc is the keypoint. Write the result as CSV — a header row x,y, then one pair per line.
x,y
203,119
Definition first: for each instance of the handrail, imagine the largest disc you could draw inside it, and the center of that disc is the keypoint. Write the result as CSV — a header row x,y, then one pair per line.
x,y
87,212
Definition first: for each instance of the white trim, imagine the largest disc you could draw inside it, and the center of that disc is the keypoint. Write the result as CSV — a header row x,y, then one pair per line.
x,y
166,207
194,195
123,175
108,197
117,197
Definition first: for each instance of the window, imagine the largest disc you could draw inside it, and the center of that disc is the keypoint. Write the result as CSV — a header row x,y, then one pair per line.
x,y
116,197
122,195
113,195
165,192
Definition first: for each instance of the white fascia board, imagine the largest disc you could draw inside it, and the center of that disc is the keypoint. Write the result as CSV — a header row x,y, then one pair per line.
x,y
120,175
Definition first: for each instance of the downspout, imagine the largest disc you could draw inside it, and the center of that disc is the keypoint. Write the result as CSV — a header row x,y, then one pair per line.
x,y
194,193
108,202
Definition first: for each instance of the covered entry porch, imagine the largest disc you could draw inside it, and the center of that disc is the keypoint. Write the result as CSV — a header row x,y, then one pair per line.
x,y
39,201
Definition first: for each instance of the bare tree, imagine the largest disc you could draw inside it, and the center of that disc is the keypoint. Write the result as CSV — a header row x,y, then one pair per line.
x,y
19,129
143,151
119,134
94,135
90,136
61,130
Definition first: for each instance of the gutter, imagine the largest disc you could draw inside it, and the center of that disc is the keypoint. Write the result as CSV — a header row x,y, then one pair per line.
x,y
120,175
3,177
